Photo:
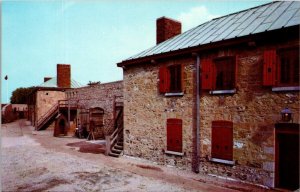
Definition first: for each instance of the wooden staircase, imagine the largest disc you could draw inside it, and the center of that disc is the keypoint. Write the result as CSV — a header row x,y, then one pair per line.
x,y
50,115
47,118
114,142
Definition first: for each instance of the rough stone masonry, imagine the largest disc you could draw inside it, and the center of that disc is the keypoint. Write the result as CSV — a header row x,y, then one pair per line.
x,y
253,109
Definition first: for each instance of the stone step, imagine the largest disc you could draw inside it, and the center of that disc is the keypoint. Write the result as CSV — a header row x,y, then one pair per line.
x,y
113,154
120,143
120,147
117,151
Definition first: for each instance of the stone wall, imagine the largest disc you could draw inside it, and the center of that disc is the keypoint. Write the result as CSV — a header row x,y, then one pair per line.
x,y
146,112
45,99
254,109
101,95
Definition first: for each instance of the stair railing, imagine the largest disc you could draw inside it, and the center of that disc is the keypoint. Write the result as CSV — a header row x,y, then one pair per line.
x,y
112,139
48,115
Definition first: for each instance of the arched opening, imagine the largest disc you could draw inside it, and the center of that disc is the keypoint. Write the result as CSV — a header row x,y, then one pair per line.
x,y
61,126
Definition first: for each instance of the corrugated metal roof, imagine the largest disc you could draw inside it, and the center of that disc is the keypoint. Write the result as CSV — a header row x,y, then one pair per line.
x,y
259,19
53,83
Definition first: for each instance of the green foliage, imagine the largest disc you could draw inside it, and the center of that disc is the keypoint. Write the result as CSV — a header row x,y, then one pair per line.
x,y
19,96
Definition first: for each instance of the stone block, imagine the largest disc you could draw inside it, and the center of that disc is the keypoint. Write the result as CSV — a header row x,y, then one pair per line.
x,y
269,166
269,150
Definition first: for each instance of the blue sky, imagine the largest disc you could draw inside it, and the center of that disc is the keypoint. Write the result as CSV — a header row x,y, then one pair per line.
x,y
92,35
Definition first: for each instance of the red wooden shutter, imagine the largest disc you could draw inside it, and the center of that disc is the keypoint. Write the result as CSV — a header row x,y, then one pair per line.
x,y
222,141
164,79
269,71
207,74
174,135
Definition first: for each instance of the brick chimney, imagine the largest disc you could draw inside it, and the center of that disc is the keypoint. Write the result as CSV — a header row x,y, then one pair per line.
x,y
47,78
64,75
166,28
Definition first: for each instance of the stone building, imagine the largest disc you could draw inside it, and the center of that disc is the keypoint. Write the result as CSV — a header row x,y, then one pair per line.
x,y
96,106
43,101
221,98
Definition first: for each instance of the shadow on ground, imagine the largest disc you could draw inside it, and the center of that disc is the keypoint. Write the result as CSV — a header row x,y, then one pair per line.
x,y
87,147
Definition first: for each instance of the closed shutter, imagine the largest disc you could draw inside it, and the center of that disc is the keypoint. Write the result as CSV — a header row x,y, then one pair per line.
x,y
207,74
222,141
174,135
269,71
164,79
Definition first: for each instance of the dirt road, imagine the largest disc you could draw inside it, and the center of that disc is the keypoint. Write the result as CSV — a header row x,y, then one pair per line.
x,y
37,161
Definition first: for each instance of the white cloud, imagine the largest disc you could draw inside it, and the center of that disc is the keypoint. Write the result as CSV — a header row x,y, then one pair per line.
x,y
194,17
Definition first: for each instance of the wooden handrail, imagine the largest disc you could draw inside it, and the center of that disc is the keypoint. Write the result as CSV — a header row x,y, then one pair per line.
x,y
46,116
52,109
117,123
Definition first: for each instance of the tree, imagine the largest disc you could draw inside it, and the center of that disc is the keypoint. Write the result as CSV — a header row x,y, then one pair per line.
x,y
19,96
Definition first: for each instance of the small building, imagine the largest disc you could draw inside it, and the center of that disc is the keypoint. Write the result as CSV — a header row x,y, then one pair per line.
x,y
43,102
221,98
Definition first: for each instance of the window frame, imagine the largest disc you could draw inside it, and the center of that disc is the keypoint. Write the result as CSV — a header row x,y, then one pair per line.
x,y
292,66
175,78
209,75
272,70
166,82
231,61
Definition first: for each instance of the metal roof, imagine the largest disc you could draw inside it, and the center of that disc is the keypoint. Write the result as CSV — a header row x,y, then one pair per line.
x,y
52,83
255,20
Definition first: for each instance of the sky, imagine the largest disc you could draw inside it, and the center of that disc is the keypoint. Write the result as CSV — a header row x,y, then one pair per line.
x,y
93,35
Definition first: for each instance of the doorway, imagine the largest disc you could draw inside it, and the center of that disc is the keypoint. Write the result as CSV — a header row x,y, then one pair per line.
x,y
287,156
62,126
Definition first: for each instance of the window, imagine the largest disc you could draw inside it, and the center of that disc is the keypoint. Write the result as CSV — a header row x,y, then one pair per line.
x,y
225,73
175,78
174,135
289,67
218,74
281,68
221,139
170,79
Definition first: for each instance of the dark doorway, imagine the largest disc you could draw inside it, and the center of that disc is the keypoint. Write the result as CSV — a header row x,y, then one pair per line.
x,y
62,125
287,156
21,114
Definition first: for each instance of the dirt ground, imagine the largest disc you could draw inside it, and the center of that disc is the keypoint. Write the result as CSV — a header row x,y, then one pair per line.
x,y
37,161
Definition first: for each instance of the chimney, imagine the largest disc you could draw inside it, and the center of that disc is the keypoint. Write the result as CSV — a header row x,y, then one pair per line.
x,y
64,75
47,78
166,28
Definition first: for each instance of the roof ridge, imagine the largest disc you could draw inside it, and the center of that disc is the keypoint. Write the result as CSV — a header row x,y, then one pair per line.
x,y
244,10
239,24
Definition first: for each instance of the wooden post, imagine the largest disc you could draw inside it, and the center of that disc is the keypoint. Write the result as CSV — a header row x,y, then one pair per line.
x,y
107,151
69,114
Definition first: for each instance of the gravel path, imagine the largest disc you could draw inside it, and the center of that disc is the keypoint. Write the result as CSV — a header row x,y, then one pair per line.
x,y
37,161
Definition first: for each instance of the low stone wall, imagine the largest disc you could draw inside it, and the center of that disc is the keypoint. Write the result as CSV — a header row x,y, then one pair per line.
x,y
101,95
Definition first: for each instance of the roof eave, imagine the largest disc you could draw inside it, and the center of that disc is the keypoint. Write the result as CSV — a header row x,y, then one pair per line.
x,y
185,51
212,45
